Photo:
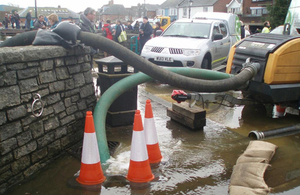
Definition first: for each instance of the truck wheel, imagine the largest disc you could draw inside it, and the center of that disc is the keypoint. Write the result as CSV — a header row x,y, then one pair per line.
x,y
206,63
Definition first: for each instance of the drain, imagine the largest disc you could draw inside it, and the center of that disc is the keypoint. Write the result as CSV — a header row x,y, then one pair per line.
x,y
76,149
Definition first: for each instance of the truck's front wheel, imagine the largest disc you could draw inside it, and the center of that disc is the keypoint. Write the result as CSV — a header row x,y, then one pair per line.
x,y
206,62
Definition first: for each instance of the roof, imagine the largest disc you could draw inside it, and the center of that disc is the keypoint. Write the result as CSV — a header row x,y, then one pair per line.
x,y
46,11
9,8
198,3
151,7
239,1
115,9
170,4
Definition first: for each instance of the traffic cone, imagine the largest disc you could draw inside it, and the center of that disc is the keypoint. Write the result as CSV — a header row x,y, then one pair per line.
x,y
139,166
151,135
90,172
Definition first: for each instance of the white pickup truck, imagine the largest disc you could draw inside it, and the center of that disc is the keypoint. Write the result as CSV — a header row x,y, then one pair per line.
x,y
201,42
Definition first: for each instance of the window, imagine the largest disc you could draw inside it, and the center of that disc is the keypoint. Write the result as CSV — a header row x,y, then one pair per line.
x,y
216,30
164,22
188,29
258,11
184,12
223,30
205,9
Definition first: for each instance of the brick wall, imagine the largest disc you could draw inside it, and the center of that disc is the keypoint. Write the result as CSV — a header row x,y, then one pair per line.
x,y
63,79
220,6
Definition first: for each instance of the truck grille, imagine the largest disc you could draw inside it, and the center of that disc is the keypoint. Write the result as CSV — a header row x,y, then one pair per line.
x,y
175,51
157,49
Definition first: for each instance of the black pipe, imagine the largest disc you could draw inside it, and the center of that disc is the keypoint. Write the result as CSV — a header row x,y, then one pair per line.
x,y
149,68
163,75
22,39
275,132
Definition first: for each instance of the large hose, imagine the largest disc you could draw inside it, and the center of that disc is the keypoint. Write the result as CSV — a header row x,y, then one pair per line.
x,y
22,39
275,132
111,94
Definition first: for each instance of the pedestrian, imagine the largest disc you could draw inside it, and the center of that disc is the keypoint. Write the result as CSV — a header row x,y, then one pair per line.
x,y
107,31
129,27
157,28
6,21
17,19
53,20
12,20
28,19
242,29
100,25
145,32
40,23
247,32
266,28
119,29
86,20
136,27
257,30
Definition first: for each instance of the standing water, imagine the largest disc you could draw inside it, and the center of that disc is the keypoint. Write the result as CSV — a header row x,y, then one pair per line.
x,y
194,162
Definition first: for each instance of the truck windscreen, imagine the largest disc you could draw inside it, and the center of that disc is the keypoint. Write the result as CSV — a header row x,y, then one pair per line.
x,y
188,29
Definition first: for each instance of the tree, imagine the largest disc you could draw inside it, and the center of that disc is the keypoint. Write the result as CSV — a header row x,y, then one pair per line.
x,y
277,12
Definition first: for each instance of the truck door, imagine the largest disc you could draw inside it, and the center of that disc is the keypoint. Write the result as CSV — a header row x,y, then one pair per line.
x,y
216,45
225,43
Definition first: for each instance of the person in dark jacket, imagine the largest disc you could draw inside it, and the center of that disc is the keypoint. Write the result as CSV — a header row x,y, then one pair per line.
x,y
17,19
86,20
6,21
40,23
12,20
145,32
129,27
119,29
157,28
28,19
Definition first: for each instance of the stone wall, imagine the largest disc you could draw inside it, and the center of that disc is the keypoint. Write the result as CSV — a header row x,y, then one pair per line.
x,y
63,79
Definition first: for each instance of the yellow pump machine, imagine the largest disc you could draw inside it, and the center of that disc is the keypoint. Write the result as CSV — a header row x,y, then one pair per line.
x,y
278,80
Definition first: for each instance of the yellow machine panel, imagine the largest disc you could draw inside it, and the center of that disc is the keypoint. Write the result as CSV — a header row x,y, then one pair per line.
x,y
283,65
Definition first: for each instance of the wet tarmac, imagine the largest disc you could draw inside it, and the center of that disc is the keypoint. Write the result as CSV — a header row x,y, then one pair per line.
x,y
194,162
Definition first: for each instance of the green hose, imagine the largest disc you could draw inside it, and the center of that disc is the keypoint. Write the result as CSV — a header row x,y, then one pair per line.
x,y
127,83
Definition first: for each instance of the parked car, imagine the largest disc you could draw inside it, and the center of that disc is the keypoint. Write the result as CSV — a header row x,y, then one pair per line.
x,y
201,42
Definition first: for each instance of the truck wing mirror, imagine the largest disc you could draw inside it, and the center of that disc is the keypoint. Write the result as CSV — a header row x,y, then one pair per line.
x,y
217,37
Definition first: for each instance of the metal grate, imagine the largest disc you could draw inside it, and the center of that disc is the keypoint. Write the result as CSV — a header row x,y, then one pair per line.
x,y
175,51
157,49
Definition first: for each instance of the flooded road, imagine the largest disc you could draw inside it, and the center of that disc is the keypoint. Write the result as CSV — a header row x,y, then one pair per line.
x,y
194,162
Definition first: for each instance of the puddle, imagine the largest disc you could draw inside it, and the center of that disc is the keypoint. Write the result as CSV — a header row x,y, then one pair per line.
x,y
194,162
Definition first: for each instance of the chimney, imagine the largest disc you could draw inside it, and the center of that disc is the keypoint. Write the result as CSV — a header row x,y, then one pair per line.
x,y
111,2
59,6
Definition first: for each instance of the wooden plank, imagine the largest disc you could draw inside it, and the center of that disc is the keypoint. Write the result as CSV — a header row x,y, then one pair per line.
x,y
186,121
194,113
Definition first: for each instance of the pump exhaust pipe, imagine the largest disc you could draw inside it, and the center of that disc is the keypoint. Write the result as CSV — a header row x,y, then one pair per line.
x,y
285,131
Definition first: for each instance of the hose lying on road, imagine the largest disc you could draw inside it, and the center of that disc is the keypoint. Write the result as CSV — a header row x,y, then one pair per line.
x,y
112,93
285,131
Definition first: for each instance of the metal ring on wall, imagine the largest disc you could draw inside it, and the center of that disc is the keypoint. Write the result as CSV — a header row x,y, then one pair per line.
x,y
37,98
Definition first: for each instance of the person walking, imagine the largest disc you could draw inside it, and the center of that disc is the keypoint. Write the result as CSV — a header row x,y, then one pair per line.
x,y
53,20
266,28
6,21
145,32
28,19
119,29
17,19
86,20
157,28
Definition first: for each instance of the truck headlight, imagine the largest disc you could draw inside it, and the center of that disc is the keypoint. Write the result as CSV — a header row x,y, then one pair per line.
x,y
147,49
191,52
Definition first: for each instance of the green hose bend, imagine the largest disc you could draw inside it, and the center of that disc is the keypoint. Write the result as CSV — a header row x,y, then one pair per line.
x,y
111,94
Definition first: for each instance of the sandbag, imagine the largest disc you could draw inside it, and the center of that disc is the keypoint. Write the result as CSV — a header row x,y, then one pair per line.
x,y
68,31
47,37
239,190
247,159
268,154
249,175
261,145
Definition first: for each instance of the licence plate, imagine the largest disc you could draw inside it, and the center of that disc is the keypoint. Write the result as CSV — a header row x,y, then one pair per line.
x,y
164,59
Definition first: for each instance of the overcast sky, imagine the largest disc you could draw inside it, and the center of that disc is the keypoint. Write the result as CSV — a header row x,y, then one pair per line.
x,y
76,6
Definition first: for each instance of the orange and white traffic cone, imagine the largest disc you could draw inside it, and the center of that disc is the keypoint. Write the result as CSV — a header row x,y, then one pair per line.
x,y
139,166
151,135
90,172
